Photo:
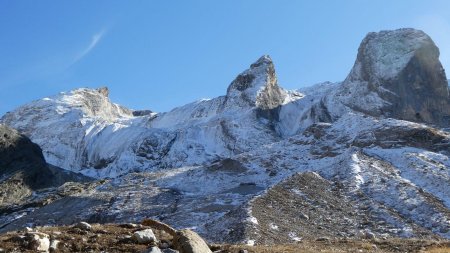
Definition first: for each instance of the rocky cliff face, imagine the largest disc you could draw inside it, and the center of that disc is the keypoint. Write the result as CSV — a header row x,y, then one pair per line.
x,y
398,74
237,167
24,170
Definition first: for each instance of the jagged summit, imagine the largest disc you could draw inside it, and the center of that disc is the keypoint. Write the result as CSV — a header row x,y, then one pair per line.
x,y
257,86
398,74
386,53
265,59
104,91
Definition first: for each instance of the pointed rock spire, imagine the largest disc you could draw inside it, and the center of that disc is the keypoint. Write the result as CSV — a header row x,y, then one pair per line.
x,y
257,86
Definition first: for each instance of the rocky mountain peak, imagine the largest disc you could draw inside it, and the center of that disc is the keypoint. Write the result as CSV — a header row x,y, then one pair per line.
x,y
398,74
257,86
104,91
263,60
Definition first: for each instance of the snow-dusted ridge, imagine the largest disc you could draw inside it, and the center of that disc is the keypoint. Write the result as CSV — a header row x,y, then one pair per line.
x,y
378,140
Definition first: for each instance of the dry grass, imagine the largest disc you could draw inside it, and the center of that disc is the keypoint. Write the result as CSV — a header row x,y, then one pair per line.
x,y
110,238
390,245
445,249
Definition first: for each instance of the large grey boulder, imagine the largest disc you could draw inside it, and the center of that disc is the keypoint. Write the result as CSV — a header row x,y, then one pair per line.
x,y
398,74
144,236
187,241
84,226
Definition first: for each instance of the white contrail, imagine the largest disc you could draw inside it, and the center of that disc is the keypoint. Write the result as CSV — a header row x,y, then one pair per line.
x,y
94,41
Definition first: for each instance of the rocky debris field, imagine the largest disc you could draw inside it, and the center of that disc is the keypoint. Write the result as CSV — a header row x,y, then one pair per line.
x,y
84,237
159,238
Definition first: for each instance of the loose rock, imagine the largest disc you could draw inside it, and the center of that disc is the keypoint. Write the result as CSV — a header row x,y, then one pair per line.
x,y
370,235
187,241
130,225
323,239
54,245
144,236
39,242
84,226
170,251
153,250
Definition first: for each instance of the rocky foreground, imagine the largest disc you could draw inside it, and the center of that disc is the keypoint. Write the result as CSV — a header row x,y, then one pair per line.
x,y
154,237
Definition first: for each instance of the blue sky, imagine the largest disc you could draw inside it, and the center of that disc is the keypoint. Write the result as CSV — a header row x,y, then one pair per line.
x,y
161,54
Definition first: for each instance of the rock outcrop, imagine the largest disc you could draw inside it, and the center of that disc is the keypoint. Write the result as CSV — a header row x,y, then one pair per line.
x,y
256,87
398,74
104,91
23,168
187,241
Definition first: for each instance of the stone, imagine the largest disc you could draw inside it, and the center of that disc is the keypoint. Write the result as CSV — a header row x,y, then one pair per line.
x,y
304,216
129,225
54,245
144,236
187,241
170,251
369,235
153,250
84,226
323,239
38,242
164,245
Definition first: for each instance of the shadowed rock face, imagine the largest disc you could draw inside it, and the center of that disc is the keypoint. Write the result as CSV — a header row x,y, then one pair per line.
x,y
19,154
402,67
23,168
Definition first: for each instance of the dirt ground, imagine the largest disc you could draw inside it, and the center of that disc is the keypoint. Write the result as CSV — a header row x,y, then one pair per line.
x,y
116,238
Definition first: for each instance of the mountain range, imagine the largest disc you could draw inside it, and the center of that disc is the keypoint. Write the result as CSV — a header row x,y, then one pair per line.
x,y
365,157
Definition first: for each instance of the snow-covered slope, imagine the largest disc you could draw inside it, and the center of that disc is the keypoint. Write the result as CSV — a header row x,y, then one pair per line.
x,y
378,140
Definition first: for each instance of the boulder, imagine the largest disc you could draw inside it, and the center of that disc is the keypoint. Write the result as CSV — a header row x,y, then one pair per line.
x,y
84,226
54,245
144,236
170,251
38,242
187,241
153,249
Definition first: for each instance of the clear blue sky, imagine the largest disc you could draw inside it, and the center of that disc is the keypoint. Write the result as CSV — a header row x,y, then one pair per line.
x,y
161,54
